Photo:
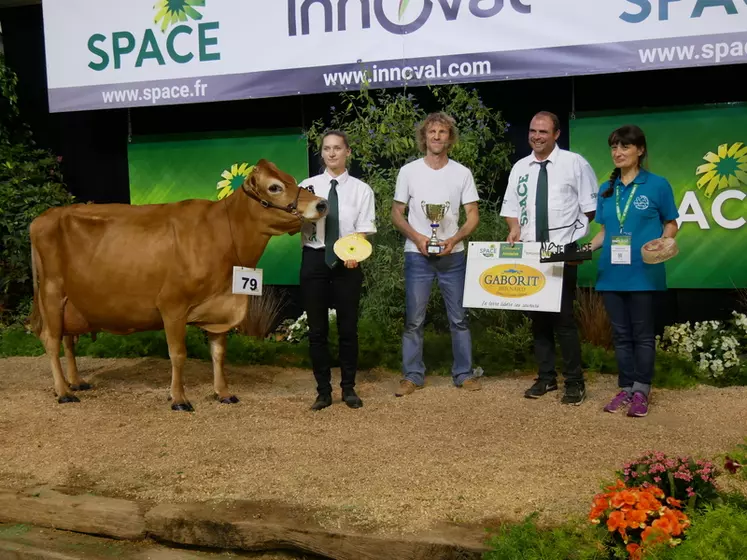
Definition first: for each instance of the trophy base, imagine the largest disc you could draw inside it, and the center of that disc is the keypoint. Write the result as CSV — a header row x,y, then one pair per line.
x,y
571,252
435,249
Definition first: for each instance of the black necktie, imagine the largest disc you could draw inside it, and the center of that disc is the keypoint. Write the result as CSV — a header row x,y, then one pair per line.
x,y
331,226
541,221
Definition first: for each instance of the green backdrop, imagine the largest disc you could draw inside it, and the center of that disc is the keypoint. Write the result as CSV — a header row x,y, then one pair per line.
x,y
702,151
210,166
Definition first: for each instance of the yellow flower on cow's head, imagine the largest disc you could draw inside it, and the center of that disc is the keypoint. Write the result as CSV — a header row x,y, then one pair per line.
x,y
233,179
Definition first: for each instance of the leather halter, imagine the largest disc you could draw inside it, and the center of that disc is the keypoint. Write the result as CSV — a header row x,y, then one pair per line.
x,y
291,208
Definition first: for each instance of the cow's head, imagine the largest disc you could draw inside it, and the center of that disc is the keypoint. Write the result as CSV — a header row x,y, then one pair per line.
x,y
286,205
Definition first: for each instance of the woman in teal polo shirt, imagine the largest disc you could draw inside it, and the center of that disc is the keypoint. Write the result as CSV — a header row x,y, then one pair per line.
x,y
634,207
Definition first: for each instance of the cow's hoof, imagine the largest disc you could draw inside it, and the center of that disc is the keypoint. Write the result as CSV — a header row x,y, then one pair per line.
x,y
68,398
233,399
82,387
185,407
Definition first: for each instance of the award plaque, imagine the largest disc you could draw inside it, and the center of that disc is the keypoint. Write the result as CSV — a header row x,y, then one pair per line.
x,y
435,213
570,252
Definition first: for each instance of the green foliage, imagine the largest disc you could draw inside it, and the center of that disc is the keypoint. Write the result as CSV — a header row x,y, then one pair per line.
x,y
674,372
525,541
15,341
382,127
498,351
30,183
716,534
670,370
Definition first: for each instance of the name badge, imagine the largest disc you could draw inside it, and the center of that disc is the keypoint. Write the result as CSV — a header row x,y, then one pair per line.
x,y
621,249
247,281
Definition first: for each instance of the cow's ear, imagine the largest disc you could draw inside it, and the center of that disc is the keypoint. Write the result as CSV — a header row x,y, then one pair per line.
x,y
251,180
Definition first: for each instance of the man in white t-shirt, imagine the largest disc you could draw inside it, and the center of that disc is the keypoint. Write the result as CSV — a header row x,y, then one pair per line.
x,y
551,196
435,179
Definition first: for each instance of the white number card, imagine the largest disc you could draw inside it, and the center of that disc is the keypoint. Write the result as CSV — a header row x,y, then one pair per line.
x,y
247,281
621,249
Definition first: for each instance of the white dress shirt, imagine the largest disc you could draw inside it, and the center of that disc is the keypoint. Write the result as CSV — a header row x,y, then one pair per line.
x,y
355,201
571,192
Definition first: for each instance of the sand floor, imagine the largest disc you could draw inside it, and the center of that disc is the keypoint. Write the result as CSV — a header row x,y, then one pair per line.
x,y
398,465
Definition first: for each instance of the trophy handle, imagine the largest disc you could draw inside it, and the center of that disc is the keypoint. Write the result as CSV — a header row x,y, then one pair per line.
x,y
422,206
446,206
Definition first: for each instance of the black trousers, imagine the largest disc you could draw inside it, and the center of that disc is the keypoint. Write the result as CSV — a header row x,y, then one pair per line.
x,y
563,324
322,288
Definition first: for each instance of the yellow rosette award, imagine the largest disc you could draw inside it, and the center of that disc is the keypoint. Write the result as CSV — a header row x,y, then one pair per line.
x,y
353,247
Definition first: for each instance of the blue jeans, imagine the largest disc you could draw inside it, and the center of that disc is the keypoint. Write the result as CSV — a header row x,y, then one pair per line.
x,y
633,332
420,272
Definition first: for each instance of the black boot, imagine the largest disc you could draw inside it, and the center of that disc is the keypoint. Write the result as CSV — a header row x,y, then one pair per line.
x,y
351,399
323,400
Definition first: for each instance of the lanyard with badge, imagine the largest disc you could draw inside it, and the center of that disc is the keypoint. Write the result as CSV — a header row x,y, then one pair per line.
x,y
621,244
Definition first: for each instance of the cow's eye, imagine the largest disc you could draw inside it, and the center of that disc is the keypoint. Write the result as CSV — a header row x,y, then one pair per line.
x,y
275,189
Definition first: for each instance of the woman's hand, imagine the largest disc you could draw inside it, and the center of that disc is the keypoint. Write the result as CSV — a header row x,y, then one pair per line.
x,y
351,264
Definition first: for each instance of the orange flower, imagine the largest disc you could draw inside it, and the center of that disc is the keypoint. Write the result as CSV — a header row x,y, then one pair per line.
x,y
616,522
654,535
677,521
665,524
674,503
624,498
634,550
648,502
636,518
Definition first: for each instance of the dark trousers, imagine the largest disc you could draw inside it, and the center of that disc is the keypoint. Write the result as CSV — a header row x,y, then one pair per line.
x,y
546,325
322,288
632,318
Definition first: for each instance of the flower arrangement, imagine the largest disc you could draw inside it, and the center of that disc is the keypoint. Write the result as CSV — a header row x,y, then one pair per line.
x,y
299,328
715,346
639,517
682,478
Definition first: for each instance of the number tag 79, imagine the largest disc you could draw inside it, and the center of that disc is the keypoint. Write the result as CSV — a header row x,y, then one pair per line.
x,y
247,281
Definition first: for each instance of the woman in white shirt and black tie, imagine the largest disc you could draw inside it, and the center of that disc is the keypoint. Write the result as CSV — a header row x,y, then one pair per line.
x,y
326,281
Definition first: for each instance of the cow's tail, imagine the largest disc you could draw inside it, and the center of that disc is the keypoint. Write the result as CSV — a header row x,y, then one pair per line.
x,y
35,319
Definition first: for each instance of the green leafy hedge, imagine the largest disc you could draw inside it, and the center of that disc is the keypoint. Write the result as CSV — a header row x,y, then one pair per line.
x,y
30,183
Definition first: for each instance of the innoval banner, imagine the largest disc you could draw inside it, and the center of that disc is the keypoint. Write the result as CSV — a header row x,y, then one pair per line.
x,y
115,53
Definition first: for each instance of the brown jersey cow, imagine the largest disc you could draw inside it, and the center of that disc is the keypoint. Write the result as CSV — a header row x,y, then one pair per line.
x,y
122,268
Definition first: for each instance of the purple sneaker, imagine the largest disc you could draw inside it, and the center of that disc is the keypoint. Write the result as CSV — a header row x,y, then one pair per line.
x,y
639,406
622,399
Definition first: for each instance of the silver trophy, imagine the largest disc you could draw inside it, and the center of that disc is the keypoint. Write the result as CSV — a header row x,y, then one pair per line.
x,y
435,213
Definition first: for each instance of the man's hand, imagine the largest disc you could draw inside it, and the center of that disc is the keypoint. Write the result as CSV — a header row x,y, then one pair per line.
x,y
448,247
514,236
421,242
351,264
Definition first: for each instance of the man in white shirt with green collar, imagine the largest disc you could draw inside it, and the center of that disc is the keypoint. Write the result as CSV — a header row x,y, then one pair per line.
x,y
551,196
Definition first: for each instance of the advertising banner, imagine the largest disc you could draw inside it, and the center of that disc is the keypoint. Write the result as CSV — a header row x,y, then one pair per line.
x,y
113,54
501,276
212,167
702,152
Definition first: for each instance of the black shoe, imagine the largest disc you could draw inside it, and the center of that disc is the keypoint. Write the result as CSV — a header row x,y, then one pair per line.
x,y
541,387
322,401
575,393
351,399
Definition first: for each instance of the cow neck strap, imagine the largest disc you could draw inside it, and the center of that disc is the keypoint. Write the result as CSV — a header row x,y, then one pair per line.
x,y
292,208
